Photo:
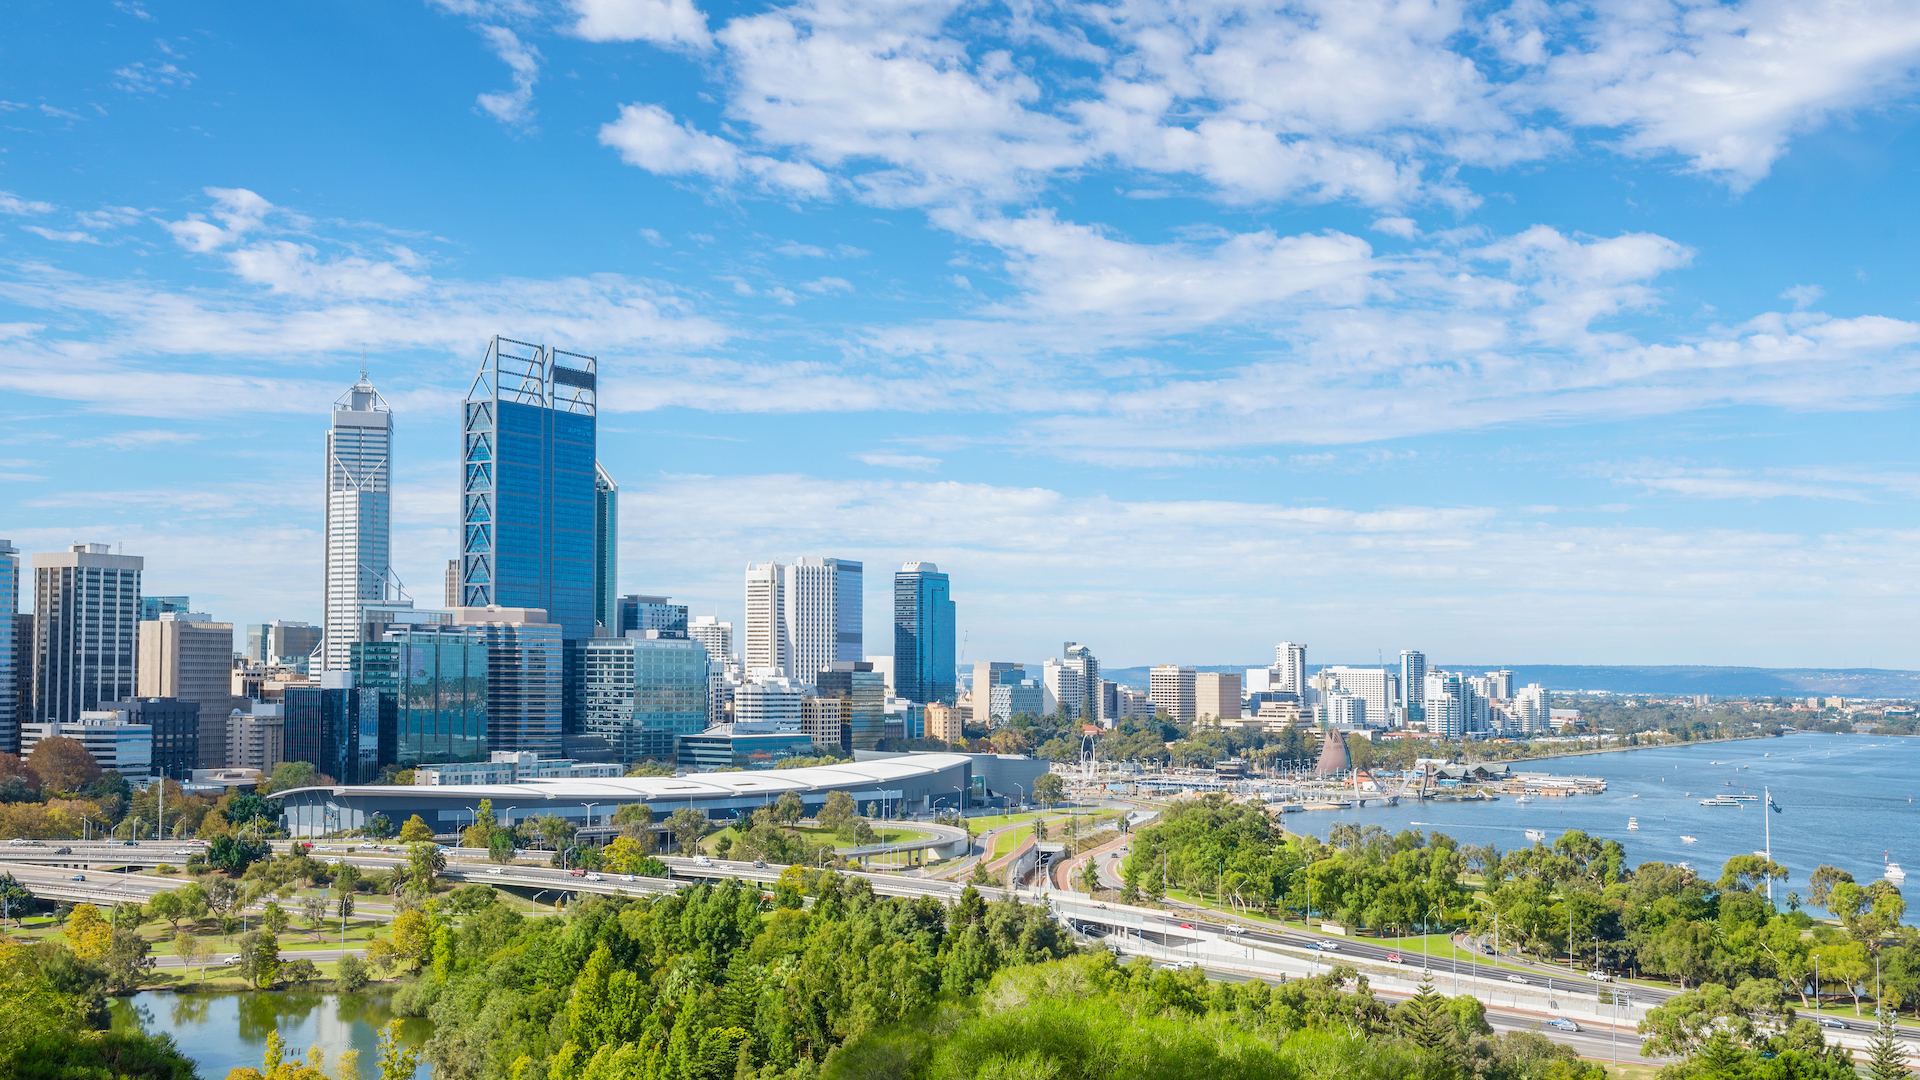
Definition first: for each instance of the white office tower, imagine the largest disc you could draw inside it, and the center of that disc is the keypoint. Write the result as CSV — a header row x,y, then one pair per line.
x,y
1530,711
768,704
1445,704
1413,681
1375,685
86,607
717,637
1500,684
1080,671
11,651
1346,711
766,651
1173,692
823,613
1290,661
1217,694
359,518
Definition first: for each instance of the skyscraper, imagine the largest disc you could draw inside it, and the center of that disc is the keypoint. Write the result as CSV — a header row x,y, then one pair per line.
x,y
86,630
823,615
186,657
642,694
766,650
9,647
1174,692
1447,704
359,521
606,546
528,497
717,636
636,612
1413,681
923,634
1290,661
866,693
152,607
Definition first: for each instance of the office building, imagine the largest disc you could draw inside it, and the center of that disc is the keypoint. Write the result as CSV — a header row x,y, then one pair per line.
x,y
1132,704
152,607
606,546
1217,694
717,638
528,493
823,613
905,719
1413,681
1012,694
923,634
187,657
733,746
335,728
22,688
635,612
1290,665
11,715
986,675
944,722
280,643
1072,683
1500,684
1110,713
884,665
112,741
768,703
765,651
1172,689
524,689
491,680
828,721
86,630
1378,686
174,732
256,736
862,687
642,694
359,519
451,586
1346,711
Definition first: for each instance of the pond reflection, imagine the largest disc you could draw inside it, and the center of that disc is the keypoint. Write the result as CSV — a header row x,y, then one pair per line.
x,y
222,1032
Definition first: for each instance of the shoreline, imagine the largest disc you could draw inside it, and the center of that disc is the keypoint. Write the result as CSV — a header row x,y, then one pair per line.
x,y
1618,749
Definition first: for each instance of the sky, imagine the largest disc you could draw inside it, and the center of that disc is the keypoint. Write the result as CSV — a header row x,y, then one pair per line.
x,y
1516,332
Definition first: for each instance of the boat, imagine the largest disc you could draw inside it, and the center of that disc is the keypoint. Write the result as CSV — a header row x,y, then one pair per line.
x,y
1689,839
1523,800
1893,872
1636,795
1536,835
1742,798
1633,824
1688,867
1719,802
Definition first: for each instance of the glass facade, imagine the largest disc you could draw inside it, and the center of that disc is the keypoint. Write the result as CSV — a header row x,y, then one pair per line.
x,y
432,683
336,731
866,691
923,635
642,695
524,687
606,546
650,613
10,652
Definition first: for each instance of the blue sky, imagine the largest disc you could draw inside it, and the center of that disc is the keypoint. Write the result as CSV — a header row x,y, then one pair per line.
x,y
1529,333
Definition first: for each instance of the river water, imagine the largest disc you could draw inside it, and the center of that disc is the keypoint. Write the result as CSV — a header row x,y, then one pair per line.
x,y
222,1032
1846,800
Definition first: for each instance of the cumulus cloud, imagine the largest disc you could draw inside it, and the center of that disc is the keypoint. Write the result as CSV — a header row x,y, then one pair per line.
x,y
14,204
666,22
646,135
512,107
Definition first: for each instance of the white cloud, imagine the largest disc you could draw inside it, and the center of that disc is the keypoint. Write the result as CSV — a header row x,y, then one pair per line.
x,y
827,285
14,204
62,235
665,22
151,77
646,136
513,107
1803,296
916,462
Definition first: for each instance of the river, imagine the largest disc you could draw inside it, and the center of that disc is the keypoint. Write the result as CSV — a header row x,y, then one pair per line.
x,y
1844,801
221,1032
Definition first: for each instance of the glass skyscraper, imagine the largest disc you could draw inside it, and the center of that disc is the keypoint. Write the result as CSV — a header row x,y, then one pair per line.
x,y
923,634
528,489
641,695
337,731
10,651
606,548
866,692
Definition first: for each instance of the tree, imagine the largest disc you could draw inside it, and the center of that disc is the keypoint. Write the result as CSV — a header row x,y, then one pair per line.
x,y
244,809
234,855
397,1061
555,831
343,907
299,971
635,820
1090,875
87,933
1750,872
480,833
287,775
1886,1056
259,961
126,960
412,939
1820,883
688,826
63,764
377,826
275,918
314,910
352,974
15,899
1039,830
500,845
168,907
424,862
1049,789
789,808
837,813
415,831
192,952
627,855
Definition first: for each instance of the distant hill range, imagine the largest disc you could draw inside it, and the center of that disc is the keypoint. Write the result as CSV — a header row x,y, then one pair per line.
x,y
1717,681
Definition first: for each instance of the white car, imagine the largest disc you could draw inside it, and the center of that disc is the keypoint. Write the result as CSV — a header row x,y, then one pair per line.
x,y
18,840
1516,979
496,869
1563,1024
702,860
595,877
1599,976
182,851
1236,928
626,877
1330,946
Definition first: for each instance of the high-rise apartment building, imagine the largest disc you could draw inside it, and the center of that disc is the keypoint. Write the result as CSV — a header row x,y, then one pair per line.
x,y
86,630
528,493
1377,686
1446,704
716,637
1217,694
827,721
1290,661
1173,691
1500,684
923,634
1530,710
643,613
1413,681
1346,711
641,694
866,694
359,522
606,546
1073,683
10,649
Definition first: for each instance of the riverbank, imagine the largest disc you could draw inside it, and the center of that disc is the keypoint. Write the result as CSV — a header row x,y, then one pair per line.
x,y
1619,749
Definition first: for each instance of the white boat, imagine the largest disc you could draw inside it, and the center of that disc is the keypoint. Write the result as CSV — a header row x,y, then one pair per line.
x,y
1741,798
1894,873
1689,839
1536,835
1523,800
1688,867
1633,824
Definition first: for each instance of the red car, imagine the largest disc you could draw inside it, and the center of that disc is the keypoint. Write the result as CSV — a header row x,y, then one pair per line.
x,y
578,873
1186,926
1393,958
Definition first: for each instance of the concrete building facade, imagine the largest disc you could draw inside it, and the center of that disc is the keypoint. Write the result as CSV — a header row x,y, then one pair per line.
x,y
86,630
1172,689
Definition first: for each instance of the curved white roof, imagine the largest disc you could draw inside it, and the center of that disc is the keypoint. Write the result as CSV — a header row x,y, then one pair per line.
x,y
722,785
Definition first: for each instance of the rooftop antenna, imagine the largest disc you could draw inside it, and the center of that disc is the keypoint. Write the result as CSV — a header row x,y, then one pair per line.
x,y
363,363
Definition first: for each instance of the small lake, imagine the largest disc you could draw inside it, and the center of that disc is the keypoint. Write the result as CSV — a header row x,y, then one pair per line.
x,y
222,1032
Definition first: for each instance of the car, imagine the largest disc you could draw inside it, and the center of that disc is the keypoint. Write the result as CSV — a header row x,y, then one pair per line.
x,y
225,961
1563,1024
1330,946
577,873
19,840
702,860
130,843
626,877
496,869
1829,1022
1184,965
1599,976
63,850
1489,950
1236,928
1393,958
759,864
183,851
595,877
78,877
1517,979
1186,926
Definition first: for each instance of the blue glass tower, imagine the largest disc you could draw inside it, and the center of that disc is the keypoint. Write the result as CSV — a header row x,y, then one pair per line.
x,y
923,639
528,498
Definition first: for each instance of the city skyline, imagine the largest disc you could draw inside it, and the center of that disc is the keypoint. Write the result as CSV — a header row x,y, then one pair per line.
x,y
1541,362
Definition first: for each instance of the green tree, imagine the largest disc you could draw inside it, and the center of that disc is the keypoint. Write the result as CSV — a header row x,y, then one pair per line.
x,y
838,813
687,826
1049,789
1886,1054
192,952
1821,882
352,975
169,908
480,833
501,844
259,961
127,960
555,831
274,917
416,831
789,809
425,861
635,821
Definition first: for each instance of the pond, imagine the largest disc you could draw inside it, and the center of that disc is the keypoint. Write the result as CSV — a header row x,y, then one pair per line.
x,y
221,1032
